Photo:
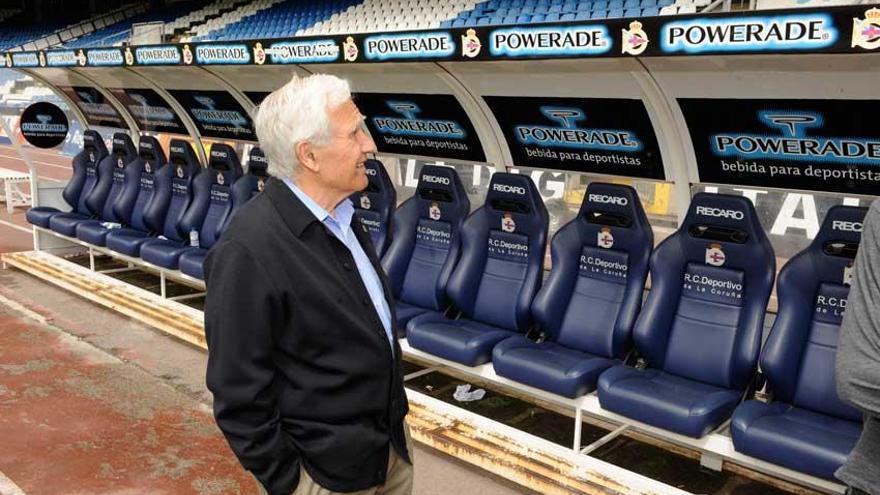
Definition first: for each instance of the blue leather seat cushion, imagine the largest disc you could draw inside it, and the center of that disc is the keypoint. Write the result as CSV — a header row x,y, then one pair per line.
x,y
163,252
549,366
405,312
667,401
93,232
40,215
127,241
191,262
793,437
65,223
464,341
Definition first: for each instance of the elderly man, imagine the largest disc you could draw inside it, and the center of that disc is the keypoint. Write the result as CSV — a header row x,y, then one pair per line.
x,y
303,364
858,359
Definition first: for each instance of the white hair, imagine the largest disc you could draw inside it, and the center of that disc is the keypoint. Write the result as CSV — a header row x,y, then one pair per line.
x,y
297,112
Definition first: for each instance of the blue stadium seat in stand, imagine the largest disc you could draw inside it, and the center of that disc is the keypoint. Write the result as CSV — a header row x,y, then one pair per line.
x,y
206,214
589,303
426,243
499,272
244,189
806,427
374,206
83,180
150,202
120,200
699,331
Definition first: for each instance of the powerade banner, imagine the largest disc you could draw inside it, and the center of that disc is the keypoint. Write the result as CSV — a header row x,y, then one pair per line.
x,y
43,125
610,136
819,145
150,110
216,113
426,125
97,110
848,29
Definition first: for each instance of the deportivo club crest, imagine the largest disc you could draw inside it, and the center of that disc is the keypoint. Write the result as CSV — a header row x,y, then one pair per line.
x,y
180,172
365,202
129,57
507,223
604,239
220,179
349,50
259,54
635,39
187,55
470,44
847,274
81,57
866,32
714,255
260,185
434,211
119,162
147,168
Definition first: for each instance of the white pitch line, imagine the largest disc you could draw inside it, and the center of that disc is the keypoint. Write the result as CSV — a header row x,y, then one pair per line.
x,y
23,229
7,487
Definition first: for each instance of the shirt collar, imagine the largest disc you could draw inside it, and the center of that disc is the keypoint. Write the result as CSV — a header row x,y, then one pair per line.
x,y
344,210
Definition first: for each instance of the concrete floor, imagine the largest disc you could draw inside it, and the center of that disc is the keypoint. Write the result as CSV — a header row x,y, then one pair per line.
x,y
92,402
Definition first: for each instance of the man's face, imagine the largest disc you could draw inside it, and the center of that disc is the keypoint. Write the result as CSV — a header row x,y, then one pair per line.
x,y
341,160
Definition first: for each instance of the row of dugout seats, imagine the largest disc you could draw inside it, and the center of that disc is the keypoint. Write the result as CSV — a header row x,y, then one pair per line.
x,y
469,289
134,202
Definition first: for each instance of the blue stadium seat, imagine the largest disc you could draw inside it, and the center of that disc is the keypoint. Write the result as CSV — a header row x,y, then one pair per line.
x,y
498,275
806,427
374,206
614,13
566,17
599,14
589,303
615,4
632,12
700,329
206,215
244,189
426,243
91,200
600,6
83,180
149,207
551,17
631,4
650,11
582,16
538,18
120,199
524,19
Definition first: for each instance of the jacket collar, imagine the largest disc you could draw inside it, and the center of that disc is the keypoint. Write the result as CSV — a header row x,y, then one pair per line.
x,y
294,213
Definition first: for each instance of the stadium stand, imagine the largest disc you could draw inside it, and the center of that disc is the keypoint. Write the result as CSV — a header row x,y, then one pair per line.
x,y
120,32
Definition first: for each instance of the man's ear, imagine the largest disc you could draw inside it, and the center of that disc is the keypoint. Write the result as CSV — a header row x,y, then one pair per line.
x,y
305,155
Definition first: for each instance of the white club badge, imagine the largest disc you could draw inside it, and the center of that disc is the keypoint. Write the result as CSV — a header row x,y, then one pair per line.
x,y
259,54
434,211
365,202
470,44
187,55
220,179
260,185
180,172
604,238
120,163
847,274
147,168
349,50
714,255
507,223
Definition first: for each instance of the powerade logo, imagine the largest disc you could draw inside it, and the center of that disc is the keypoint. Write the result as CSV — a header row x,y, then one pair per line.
x,y
65,58
25,60
210,115
144,111
44,125
157,55
527,42
105,57
790,32
223,54
794,144
569,135
410,125
417,45
303,52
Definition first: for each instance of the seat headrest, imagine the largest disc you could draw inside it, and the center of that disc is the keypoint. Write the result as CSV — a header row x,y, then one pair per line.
x,y
722,218
184,159
615,205
513,193
224,158
378,178
123,148
438,183
92,141
151,151
258,165
842,224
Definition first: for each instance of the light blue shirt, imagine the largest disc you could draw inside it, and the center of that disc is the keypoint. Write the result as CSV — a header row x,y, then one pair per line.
x,y
341,228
